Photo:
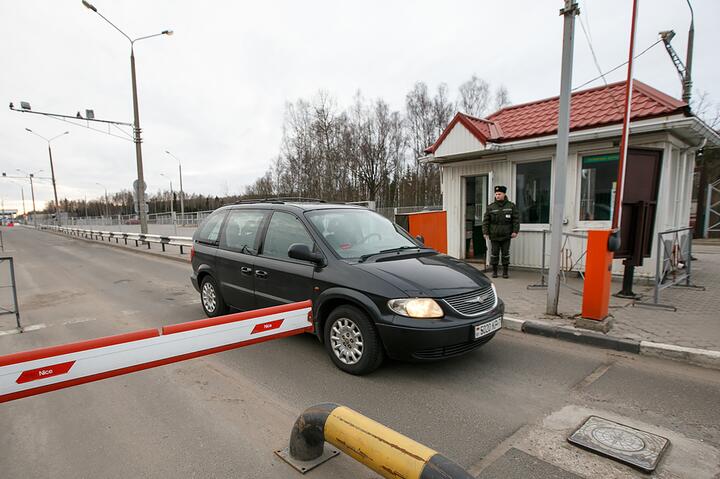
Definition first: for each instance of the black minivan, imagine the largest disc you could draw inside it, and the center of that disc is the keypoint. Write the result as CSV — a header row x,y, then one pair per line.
x,y
375,290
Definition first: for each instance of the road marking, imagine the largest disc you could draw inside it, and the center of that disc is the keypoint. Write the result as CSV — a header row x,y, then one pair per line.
x,y
78,320
10,331
593,376
34,327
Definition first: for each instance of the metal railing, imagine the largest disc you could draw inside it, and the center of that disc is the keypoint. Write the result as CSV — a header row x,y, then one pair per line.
x,y
712,209
673,265
140,239
13,286
569,261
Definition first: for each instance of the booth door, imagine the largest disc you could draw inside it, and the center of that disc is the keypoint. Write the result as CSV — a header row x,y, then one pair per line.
x,y
639,205
476,195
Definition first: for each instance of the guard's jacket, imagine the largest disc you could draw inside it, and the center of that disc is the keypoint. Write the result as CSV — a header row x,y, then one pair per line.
x,y
501,219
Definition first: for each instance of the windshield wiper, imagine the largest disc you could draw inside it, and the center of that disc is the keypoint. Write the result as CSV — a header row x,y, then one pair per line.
x,y
391,250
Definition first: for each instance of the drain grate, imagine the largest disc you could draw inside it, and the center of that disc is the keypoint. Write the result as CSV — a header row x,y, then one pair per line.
x,y
626,444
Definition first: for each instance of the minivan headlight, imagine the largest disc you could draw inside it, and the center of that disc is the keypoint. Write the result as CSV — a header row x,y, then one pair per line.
x,y
420,308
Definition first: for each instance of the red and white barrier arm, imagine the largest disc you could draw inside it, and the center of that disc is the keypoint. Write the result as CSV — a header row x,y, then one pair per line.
x,y
35,372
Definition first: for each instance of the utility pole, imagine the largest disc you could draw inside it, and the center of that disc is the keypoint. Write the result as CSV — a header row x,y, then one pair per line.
x,y
558,212
687,83
136,116
32,193
52,168
182,192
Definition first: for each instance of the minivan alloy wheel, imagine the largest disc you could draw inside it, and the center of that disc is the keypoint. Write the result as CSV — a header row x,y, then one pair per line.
x,y
209,298
346,341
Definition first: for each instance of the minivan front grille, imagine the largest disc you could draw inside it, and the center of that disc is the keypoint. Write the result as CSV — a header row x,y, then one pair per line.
x,y
475,302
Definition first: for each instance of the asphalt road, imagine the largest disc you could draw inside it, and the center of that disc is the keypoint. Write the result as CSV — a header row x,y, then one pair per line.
x,y
501,411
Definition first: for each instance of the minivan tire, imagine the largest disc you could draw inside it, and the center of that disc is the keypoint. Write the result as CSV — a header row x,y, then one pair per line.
x,y
341,331
209,291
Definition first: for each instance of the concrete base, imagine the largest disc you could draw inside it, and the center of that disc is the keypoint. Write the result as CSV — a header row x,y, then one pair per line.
x,y
603,326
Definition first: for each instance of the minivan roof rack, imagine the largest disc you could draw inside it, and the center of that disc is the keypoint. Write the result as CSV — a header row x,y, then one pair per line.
x,y
281,200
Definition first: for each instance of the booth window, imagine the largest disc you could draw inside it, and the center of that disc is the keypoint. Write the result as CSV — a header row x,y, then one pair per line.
x,y
532,182
598,183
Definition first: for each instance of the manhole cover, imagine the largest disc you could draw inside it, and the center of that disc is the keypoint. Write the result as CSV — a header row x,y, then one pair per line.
x,y
626,444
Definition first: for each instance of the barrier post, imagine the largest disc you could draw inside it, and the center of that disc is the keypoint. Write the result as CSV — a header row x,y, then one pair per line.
x,y
378,447
598,275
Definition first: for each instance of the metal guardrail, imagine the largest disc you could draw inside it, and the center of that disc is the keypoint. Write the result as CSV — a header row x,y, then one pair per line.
x,y
673,264
145,239
13,286
378,447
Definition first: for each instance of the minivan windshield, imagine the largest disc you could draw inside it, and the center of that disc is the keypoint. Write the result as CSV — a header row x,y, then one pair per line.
x,y
357,233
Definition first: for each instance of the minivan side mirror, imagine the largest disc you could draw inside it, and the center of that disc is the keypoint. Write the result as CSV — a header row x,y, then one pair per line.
x,y
302,252
421,239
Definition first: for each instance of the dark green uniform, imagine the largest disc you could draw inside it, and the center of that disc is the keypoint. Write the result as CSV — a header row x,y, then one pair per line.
x,y
501,220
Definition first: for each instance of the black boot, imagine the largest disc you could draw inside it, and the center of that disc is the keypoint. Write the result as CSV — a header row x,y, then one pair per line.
x,y
495,269
505,271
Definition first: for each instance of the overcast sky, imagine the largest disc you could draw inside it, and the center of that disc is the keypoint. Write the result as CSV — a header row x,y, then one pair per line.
x,y
214,92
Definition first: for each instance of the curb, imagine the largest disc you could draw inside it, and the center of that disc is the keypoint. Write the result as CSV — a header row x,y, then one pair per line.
x,y
699,357
179,259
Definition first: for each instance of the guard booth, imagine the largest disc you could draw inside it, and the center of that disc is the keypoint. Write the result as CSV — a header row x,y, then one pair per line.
x,y
431,225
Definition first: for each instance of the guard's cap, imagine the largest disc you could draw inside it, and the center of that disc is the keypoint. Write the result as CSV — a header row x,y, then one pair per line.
x,y
501,189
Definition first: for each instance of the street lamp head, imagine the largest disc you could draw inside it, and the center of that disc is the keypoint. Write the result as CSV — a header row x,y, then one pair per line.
x,y
167,32
89,6
28,129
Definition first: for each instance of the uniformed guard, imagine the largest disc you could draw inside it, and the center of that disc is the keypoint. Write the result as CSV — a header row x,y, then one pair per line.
x,y
500,224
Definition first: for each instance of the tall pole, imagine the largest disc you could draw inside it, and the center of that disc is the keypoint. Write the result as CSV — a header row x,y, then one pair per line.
x,y
136,123
558,212
22,195
52,174
620,186
138,147
32,193
182,194
687,83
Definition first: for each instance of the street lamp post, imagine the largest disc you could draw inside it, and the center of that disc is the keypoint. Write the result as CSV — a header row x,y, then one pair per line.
x,y
52,168
182,193
107,208
172,195
32,192
136,115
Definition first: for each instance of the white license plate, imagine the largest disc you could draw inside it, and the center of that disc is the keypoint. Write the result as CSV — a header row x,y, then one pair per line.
x,y
487,328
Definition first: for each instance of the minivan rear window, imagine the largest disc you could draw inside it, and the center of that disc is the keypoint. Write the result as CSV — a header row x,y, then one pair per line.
x,y
209,231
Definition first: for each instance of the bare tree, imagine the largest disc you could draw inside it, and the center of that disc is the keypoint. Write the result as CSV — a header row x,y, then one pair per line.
x,y
502,98
703,107
473,97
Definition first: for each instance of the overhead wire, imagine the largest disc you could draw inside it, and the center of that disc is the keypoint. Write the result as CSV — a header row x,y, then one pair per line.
x,y
617,67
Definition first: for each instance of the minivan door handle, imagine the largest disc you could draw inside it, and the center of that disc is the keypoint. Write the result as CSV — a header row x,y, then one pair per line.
x,y
261,274
245,270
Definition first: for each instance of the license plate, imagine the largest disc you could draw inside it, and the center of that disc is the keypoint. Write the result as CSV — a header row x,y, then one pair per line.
x,y
487,328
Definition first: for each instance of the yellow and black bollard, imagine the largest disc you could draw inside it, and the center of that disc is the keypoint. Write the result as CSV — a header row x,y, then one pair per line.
x,y
378,447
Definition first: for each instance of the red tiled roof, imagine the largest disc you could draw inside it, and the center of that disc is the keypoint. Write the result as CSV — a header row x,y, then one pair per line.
x,y
591,108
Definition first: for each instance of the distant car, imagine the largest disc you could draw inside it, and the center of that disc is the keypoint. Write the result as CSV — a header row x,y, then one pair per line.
x,y
375,290
132,221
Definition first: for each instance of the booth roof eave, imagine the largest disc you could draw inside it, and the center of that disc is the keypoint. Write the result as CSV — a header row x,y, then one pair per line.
x,y
690,129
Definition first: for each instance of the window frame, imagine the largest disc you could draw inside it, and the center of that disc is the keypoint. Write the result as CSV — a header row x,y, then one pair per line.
x,y
264,231
216,243
221,239
583,225
535,226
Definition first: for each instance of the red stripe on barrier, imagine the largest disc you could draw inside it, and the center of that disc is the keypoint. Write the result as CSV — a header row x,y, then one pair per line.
x,y
141,367
231,318
269,326
45,372
76,347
